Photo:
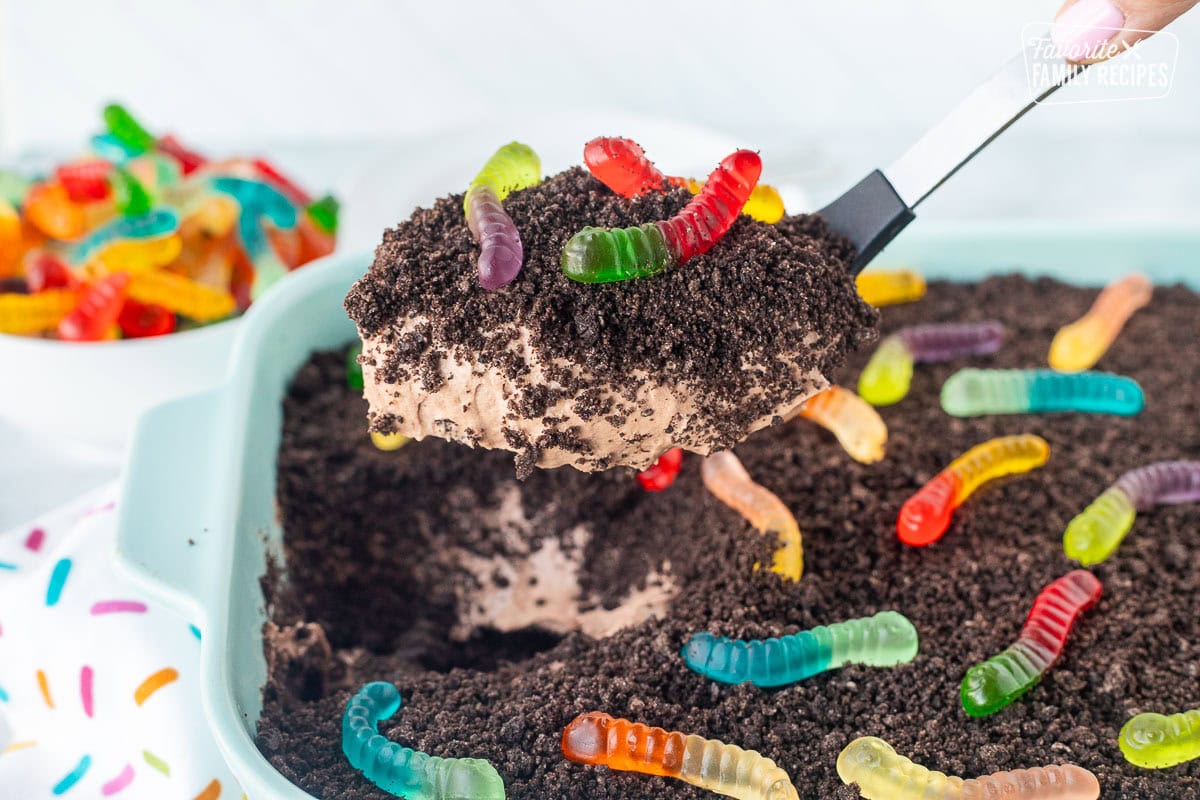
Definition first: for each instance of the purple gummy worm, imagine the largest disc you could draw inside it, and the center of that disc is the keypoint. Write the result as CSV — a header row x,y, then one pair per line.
x,y
948,340
500,252
1164,482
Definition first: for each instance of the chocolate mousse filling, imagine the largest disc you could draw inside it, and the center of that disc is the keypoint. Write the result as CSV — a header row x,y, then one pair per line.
x,y
600,375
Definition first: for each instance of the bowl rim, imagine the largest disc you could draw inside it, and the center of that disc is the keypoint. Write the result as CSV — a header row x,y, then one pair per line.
x,y
144,342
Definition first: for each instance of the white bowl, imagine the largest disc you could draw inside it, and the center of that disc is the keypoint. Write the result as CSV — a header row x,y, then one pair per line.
x,y
91,394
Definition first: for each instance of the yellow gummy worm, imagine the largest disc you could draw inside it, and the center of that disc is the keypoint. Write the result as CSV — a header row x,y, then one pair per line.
x,y
140,255
889,287
727,479
854,421
765,204
995,458
1157,741
883,774
181,295
388,441
514,166
34,313
1080,345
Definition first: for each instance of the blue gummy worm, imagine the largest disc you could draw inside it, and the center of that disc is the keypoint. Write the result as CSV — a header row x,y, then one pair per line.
x,y
976,392
884,640
403,771
258,199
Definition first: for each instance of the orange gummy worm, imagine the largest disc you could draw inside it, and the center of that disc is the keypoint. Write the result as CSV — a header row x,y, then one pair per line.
x,y
727,479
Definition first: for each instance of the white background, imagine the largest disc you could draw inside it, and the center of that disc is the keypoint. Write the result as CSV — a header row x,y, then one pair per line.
x,y
826,90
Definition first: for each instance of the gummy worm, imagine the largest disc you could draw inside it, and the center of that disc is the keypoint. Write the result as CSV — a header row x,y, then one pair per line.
x,y
858,426
889,287
10,229
259,199
35,313
125,128
354,370
189,160
883,774
663,472
1098,530
727,479
975,392
388,442
402,771
182,295
273,176
140,255
1081,344
110,148
97,311
992,685
599,255
129,194
884,640
159,222
48,208
621,165
925,517
888,374
324,213
1155,741
601,740
86,180
501,254
764,203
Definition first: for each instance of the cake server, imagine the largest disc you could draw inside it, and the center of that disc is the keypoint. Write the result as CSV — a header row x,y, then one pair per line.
x,y
879,206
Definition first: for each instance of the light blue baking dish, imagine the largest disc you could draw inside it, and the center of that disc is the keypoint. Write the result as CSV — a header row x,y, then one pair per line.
x,y
198,516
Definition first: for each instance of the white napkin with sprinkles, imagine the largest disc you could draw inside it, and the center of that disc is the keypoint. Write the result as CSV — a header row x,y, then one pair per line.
x,y
99,685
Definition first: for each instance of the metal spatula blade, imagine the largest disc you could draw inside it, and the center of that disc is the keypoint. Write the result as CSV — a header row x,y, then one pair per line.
x,y
879,206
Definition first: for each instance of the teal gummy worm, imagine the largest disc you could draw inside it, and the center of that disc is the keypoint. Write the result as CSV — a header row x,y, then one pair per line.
x,y
884,640
976,392
402,771
258,200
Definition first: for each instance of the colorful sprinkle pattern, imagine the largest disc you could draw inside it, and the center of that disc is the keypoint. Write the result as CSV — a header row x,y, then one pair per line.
x,y
63,562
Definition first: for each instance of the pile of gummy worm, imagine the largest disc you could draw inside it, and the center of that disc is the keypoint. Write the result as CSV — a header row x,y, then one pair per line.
x,y
143,236
888,638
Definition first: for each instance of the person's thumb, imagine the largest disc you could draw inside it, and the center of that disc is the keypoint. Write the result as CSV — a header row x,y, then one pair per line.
x,y
1094,30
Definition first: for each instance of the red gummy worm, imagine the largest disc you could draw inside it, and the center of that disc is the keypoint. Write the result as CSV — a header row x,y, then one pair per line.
x,y
285,184
140,320
45,270
925,517
621,165
662,473
189,160
1056,609
85,181
708,216
97,310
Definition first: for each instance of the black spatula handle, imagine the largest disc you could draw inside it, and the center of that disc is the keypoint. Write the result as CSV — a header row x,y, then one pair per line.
x,y
878,208
869,215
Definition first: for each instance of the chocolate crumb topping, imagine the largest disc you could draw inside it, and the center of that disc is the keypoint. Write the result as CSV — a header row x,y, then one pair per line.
x,y
728,327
